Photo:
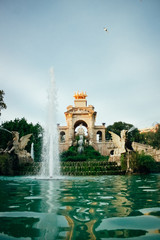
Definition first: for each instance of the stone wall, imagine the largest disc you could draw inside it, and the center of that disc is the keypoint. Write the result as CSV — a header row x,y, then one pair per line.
x,y
147,149
104,147
116,159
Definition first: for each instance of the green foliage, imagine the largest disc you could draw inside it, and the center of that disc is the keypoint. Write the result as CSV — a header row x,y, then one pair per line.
x,y
117,127
156,142
8,165
2,104
140,163
21,126
146,163
123,162
88,168
28,168
151,138
89,154
157,168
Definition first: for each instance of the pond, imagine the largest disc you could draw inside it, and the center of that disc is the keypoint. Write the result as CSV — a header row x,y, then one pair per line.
x,y
106,207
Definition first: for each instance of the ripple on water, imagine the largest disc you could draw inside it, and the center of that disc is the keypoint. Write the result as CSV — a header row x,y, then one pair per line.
x,y
111,208
33,197
14,206
103,204
82,214
135,223
148,211
13,184
107,197
150,190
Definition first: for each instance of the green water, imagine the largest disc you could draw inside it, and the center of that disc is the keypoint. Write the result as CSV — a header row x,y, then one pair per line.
x,y
108,207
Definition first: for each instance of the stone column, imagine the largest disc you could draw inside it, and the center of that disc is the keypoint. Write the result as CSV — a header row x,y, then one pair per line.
x,y
90,129
70,129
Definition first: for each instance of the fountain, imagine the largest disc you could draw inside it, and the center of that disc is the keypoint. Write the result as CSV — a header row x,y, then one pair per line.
x,y
32,150
80,143
4,129
131,129
50,152
80,133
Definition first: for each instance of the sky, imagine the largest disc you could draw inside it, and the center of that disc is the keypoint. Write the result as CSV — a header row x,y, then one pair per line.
x,y
119,69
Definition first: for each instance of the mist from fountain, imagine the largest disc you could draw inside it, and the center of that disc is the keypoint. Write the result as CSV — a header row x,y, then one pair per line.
x,y
50,150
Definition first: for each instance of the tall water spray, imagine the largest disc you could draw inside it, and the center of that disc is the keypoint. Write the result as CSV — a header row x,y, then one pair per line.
x,y
50,152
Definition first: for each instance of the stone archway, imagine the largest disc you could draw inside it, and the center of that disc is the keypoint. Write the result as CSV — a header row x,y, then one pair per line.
x,y
83,124
78,114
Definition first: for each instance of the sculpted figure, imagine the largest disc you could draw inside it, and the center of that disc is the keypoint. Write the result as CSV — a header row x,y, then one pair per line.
x,y
81,130
80,143
18,146
119,142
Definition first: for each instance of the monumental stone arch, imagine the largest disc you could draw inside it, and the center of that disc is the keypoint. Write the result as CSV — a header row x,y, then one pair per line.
x,y
81,115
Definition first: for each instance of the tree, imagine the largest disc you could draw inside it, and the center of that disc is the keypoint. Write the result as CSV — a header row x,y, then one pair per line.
x,y
156,142
2,104
117,127
151,138
139,162
21,126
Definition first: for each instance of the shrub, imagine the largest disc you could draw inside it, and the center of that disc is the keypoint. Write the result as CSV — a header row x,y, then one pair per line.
x,y
89,154
146,163
8,165
123,162
140,162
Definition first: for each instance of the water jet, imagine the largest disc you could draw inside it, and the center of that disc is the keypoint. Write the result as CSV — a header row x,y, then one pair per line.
x,y
32,150
4,129
50,150
131,129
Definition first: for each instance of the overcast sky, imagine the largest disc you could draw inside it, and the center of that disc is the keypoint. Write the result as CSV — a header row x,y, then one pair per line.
x,y
119,69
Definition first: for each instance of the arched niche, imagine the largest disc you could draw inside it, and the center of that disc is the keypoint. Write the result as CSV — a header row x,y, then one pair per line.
x,y
83,124
99,136
62,137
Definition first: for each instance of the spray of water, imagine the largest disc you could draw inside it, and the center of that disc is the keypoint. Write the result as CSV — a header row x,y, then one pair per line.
x,y
50,152
131,129
5,130
32,150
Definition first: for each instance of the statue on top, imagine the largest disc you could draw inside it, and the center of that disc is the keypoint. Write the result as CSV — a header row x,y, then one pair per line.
x,y
80,95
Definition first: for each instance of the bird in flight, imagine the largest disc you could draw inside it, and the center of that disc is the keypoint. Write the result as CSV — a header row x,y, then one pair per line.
x,y
105,29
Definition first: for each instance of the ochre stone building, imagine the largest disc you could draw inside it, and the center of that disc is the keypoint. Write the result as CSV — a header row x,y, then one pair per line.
x,y
82,115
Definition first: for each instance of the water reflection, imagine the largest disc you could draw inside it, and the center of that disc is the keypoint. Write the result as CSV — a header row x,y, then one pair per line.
x,y
111,207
